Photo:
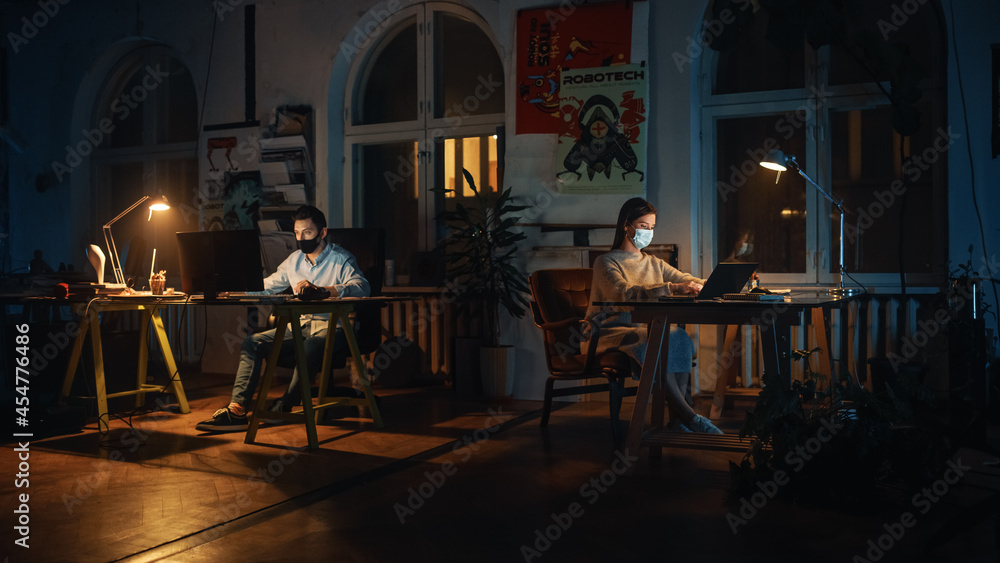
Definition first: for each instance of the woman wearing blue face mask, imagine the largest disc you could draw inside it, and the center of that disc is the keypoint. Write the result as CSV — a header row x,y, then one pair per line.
x,y
627,273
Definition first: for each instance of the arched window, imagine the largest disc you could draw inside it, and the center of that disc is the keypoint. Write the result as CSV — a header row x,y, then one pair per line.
x,y
148,119
424,101
764,86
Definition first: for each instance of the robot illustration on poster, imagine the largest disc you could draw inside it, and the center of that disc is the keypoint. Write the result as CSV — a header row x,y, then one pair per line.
x,y
602,150
601,143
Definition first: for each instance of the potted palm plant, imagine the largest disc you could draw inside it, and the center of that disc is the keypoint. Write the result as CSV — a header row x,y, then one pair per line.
x,y
479,252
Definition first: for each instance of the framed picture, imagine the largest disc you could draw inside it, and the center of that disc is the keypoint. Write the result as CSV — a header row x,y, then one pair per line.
x,y
229,170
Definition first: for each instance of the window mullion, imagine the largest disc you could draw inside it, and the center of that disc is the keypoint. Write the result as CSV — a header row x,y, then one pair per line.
x,y
818,168
425,50
425,86
821,242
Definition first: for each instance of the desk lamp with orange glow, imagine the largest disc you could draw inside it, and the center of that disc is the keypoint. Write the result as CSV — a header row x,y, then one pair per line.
x,y
159,203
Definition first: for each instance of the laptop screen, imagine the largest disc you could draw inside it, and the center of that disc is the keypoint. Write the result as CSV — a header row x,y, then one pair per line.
x,y
727,277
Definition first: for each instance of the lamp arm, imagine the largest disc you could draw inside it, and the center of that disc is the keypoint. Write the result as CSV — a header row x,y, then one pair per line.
x,y
840,208
116,266
109,239
126,212
835,202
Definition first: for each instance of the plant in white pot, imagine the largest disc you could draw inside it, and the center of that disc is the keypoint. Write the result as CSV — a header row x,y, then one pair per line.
x,y
480,251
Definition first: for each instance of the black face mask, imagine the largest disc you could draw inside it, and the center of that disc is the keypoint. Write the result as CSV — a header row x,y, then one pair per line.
x,y
308,246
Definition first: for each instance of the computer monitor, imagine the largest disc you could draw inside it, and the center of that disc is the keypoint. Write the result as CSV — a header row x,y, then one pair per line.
x,y
216,261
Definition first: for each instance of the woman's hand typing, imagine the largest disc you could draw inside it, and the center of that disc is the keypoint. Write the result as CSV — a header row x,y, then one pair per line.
x,y
685,287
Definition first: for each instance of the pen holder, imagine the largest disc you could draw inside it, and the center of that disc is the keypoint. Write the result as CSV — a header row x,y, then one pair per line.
x,y
157,282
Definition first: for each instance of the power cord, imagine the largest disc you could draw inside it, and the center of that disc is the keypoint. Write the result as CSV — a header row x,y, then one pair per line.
x,y
968,144
865,290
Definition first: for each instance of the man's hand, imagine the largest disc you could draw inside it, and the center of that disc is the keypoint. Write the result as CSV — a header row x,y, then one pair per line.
x,y
302,285
307,291
686,287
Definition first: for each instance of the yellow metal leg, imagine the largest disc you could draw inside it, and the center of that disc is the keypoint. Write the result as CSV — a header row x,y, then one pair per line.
x,y
304,382
265,380
74,359
650,367
324,372
359,362
143,364
103,418
168,358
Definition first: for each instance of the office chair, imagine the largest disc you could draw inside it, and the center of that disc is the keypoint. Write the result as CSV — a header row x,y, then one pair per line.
x,y
559,306
368,248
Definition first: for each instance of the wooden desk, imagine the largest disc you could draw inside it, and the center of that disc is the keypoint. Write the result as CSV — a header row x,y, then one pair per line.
x,y
288,314
775,320
287,311
90,324
821,326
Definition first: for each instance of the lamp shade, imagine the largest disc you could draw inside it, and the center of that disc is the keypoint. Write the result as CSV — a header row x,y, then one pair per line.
x,y
778,160
159,203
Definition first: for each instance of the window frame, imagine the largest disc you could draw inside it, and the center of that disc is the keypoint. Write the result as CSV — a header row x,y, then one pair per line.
x,y
821,247
149,153
426,130
709,232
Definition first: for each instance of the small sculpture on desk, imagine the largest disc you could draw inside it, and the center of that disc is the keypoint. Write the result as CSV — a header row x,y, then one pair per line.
x,y
96,257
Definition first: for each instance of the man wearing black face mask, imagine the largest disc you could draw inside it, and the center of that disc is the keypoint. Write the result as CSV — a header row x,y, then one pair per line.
x,y
316,265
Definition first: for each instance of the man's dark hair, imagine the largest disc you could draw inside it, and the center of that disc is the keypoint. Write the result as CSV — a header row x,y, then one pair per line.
x,y
631,210
310,212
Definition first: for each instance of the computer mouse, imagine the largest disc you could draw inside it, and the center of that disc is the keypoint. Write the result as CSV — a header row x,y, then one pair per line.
x,y
313,293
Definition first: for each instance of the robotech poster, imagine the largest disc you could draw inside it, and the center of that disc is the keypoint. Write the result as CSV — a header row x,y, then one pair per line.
x,y
604,151
568,35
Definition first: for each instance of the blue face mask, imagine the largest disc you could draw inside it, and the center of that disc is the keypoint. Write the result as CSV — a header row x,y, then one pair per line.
x,y
642,238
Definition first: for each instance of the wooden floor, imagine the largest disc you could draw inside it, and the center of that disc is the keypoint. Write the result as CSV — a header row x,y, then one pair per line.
x,y
445,480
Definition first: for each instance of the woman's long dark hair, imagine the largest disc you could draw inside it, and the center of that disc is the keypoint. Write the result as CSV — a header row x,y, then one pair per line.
x,y
631,210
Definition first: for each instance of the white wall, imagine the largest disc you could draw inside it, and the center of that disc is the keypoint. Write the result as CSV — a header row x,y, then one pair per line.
x,y
57,74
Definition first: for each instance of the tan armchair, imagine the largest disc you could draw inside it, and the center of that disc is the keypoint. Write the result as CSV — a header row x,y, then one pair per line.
x,y
559,307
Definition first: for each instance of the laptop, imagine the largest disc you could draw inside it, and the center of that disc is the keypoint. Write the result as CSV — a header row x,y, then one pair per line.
x,y
727,277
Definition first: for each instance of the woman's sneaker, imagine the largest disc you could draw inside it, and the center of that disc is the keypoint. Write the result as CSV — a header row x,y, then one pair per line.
x,y
702,424
224,421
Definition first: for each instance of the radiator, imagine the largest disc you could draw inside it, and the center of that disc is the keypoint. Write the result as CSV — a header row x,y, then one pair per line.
x,y
429,318
867,327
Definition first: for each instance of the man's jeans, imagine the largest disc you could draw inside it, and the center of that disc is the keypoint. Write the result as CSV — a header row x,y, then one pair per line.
x,y
257,346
